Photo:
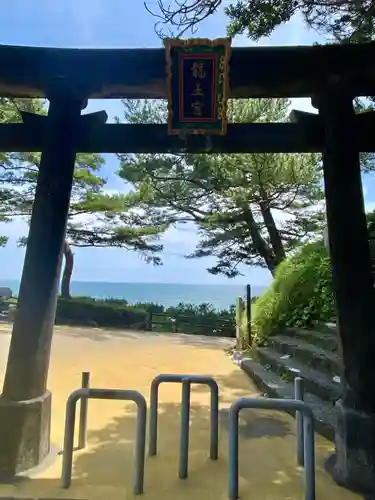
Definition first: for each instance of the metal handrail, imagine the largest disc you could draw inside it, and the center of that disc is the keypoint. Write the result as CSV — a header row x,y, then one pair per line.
x,y
140,444
186,381
185,420
279,405
299,396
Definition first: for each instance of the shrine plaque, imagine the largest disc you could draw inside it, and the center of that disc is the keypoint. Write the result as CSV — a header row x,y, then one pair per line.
x,y
197,85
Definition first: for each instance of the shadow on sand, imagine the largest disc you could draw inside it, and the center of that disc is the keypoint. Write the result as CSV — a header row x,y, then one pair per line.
x,y
267,456
105,334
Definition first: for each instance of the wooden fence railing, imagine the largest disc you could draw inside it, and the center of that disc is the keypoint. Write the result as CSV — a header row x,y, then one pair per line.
x,y
238,327
190,324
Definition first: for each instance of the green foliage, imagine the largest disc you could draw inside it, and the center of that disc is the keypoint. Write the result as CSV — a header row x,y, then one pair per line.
x,y
300,294
343,20
96,217
201,319
117,313
91,312
151,307
349,20
115,220
249,209
371,220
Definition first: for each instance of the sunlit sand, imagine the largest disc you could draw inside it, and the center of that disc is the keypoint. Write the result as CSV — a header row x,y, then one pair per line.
x,y
130,360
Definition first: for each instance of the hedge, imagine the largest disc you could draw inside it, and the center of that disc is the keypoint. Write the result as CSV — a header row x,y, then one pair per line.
x,y
201,319
88,311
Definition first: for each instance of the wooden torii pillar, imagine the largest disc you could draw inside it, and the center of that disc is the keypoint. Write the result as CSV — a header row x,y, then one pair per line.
x,y
353,463
25,404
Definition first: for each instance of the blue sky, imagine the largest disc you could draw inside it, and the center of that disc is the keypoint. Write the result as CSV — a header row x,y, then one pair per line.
x,y
116,24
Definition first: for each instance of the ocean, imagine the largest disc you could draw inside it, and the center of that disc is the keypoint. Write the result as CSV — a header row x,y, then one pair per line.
x,y
166,294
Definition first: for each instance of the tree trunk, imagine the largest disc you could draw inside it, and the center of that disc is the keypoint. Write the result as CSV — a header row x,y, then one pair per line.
x,y
264,251
68,271
275,238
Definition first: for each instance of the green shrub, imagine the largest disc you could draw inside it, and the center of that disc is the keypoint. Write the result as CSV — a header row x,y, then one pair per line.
x,y
111,301
201,319
88,311
149,306
116,313
299,295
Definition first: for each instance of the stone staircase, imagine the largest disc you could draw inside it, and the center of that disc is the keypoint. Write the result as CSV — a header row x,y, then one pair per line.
x,y
309,354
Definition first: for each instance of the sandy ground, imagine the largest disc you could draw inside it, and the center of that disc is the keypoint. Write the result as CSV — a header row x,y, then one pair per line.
x,y
130,360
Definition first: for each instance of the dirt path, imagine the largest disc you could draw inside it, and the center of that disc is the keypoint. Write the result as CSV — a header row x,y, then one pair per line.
x,y
130,360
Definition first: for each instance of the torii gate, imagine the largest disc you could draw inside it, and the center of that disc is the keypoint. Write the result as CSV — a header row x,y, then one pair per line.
x,y
331,76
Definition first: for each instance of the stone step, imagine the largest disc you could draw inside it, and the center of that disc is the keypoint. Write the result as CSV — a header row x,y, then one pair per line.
x,y
324,339
273,386
322,385
327,327
312,355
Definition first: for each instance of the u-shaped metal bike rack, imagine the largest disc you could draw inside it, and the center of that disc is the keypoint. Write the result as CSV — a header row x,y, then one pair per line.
x,y
272,404
140,444
186,381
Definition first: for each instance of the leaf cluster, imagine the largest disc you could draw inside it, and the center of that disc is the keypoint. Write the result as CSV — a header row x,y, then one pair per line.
x,y
343,20
96,216
248,208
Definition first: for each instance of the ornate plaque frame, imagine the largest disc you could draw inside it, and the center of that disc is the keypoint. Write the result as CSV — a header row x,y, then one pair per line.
x,y
197,85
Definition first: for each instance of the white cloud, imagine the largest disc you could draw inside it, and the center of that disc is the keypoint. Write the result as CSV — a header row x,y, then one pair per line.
x,y
179,240
302,104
